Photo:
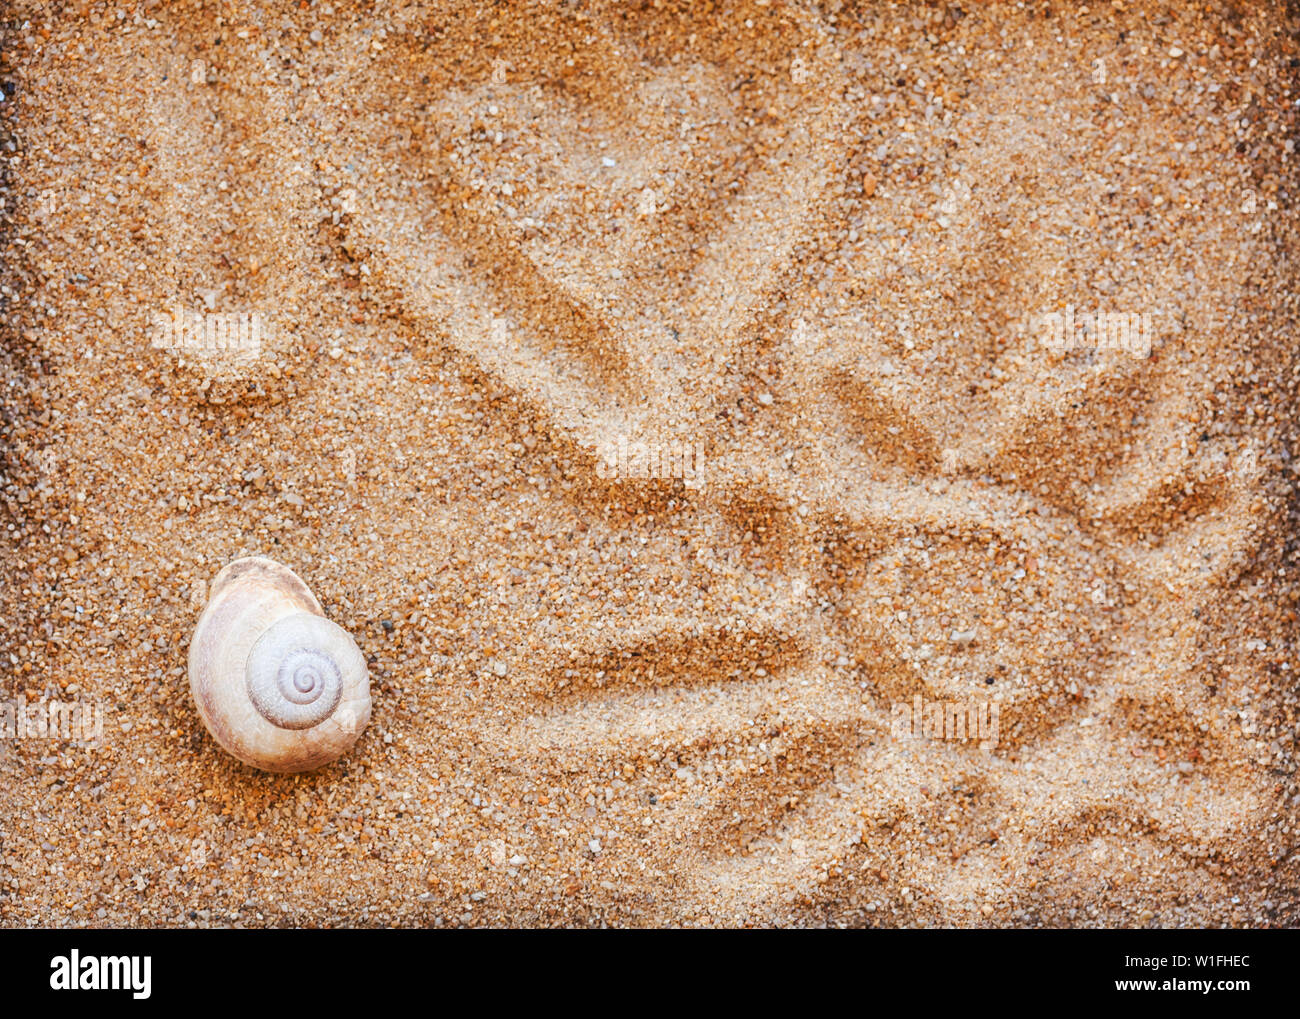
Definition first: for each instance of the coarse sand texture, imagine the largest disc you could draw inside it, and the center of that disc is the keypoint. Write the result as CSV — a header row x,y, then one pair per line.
x,y
693,412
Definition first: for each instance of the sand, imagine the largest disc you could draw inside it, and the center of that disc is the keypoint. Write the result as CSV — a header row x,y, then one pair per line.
x,y
488,242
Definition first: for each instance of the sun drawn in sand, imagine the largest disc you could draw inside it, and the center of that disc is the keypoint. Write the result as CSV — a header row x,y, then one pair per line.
x,y
629,260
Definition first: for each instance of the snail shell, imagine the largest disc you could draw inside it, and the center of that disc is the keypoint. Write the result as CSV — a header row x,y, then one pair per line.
x,y
276,683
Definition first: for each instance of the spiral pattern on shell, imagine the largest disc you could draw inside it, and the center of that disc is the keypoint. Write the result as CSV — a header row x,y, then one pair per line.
x,y
294,674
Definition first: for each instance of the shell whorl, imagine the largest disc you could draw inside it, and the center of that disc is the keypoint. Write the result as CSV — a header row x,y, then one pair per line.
x,y
276,683
295,670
